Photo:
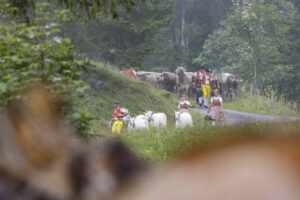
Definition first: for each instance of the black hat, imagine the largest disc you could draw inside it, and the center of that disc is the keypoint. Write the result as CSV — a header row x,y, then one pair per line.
x,y
116,102
208,70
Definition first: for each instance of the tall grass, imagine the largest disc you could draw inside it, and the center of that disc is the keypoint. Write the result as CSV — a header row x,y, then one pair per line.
x,y
263,105
157,146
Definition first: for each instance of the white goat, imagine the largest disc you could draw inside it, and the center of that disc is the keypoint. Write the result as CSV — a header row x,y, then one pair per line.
x,y
183,119
157,120
137,123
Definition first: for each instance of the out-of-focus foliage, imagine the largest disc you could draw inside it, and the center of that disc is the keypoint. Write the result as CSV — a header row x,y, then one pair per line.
x,y
31,54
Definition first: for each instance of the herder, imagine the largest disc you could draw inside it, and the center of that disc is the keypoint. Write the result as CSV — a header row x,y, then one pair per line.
x,y
206,80
118,114
217,108
197,83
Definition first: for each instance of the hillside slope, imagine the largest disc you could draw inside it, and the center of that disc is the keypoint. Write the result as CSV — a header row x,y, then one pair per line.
x,y
108,85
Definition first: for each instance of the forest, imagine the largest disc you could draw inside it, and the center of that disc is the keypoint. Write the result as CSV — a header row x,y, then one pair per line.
x,y
55,42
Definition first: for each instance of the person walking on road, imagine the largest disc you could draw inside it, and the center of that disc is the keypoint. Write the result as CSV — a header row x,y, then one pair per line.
x,y
118,114
216,107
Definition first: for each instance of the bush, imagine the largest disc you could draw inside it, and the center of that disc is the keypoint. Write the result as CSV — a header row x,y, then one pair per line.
x,y
31,54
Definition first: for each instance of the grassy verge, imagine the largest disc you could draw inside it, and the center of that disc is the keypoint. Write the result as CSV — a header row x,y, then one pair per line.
x,y
262,105
164,145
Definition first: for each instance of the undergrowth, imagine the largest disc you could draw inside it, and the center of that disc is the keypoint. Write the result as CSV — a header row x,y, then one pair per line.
x,y
262,105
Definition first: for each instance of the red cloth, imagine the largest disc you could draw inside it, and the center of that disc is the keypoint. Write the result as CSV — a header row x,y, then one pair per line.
x,y
183,106
216,102
129,72
116,113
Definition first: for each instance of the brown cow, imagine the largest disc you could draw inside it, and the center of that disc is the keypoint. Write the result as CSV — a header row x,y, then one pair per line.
x,y
184,80
229,85
150,77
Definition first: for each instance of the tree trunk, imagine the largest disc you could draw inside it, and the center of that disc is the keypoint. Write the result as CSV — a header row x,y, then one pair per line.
x,y
254,52
255,75
183,45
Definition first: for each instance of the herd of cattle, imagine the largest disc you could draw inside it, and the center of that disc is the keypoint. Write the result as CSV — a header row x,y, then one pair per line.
x,y
180,82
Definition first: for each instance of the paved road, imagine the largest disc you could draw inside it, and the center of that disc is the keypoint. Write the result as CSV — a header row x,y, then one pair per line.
x,y
237,117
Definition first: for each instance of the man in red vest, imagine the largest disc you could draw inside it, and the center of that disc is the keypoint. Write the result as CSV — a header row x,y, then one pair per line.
x,y
118,114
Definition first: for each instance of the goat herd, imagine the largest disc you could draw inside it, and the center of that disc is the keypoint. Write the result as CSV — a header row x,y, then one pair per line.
x,y
157,121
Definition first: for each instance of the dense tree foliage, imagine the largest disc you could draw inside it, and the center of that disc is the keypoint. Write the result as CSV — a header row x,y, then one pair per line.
x,y
253,40
87,8
158,35
31,54
258,43
124,41
183,37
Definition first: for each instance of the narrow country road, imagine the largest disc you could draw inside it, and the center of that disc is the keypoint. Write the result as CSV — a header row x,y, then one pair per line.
x,y
237,117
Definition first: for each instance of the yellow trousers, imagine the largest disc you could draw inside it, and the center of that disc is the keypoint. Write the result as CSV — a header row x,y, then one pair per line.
x,y
206,90
117,127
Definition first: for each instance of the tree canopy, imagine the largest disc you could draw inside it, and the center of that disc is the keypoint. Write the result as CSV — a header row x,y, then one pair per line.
x,y
87,8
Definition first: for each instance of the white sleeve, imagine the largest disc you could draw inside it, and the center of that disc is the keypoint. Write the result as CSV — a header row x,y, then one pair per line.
x,y
220,99
134,72
123,110
188,103
211,100
179,106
